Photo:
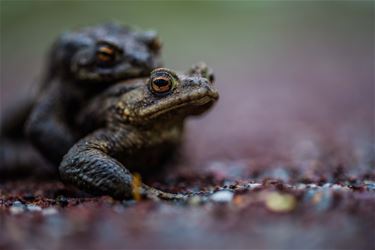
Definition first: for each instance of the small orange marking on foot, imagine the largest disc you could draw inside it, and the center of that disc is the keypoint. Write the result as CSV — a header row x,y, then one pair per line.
x,y
136,187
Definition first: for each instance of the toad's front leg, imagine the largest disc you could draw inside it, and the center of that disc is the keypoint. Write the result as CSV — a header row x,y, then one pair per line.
x,y
90,165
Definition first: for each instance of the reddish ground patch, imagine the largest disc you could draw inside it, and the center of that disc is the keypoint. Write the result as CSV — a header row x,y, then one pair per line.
x,y
268,213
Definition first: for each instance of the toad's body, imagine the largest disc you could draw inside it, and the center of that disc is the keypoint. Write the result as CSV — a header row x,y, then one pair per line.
x,y
82,64
138,126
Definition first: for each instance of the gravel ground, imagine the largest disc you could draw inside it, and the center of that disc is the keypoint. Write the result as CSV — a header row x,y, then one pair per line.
x,y
278,208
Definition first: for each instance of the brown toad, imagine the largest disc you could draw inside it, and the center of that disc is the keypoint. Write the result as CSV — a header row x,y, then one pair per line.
x,y
138,126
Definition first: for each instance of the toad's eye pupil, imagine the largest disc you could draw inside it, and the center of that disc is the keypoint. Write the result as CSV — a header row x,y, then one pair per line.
x,y
161,82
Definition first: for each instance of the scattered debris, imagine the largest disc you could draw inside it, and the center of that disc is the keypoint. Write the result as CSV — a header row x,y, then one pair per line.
x,y
33,208
195,200
280,203
222,196
252,186
17,208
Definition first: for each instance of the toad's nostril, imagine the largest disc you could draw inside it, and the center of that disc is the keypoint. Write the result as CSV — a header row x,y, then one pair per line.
x,y
204,82
192,82
211,78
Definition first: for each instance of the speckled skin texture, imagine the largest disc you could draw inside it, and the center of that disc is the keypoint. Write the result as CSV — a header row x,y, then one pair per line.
x,y
138,126
82,64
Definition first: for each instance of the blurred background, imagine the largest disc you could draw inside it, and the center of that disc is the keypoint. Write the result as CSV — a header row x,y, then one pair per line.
x,y
296,78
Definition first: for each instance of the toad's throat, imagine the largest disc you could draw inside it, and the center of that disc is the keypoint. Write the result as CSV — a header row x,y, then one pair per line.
x,y
196,98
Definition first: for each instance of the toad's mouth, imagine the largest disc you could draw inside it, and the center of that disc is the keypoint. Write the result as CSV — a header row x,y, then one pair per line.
x,y
196,98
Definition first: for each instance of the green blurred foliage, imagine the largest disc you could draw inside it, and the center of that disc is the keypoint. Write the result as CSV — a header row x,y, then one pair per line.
x,y
191,30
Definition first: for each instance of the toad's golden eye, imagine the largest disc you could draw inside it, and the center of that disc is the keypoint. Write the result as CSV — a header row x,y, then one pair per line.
x,y
161,84
106,54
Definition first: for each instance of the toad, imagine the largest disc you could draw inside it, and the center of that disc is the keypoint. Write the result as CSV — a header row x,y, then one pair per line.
x,y
139,124
82,64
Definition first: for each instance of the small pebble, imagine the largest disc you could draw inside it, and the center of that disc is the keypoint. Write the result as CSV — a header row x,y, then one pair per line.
x,y
300,186
327,185
17,208
312,185
194,200
241,201
17,204
280,203
33,208
370,185
322,200
253,185
337,187
222,196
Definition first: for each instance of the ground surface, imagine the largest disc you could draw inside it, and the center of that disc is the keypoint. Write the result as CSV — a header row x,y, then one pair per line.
x,y
332,211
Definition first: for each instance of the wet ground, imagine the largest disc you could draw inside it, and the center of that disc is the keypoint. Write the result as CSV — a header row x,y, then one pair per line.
x,y
278,208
